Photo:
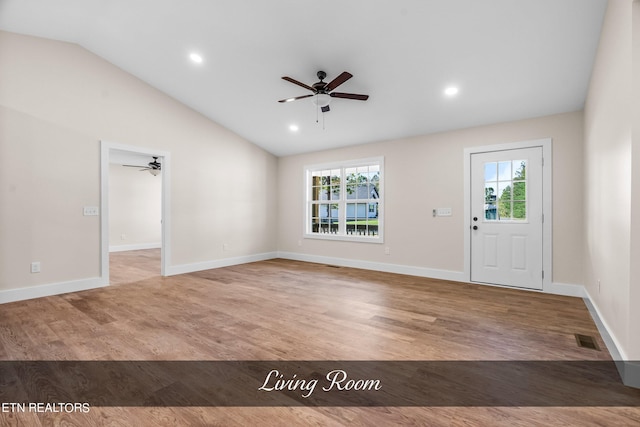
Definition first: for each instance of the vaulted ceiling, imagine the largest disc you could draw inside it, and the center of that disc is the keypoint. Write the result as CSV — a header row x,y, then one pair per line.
x,y
509,59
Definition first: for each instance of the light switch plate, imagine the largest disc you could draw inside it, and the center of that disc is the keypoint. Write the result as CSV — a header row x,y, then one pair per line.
x,y
443,212
90,211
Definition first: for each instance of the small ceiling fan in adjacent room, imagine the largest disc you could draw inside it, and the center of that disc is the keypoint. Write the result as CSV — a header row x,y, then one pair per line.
x,y
323,92
153,167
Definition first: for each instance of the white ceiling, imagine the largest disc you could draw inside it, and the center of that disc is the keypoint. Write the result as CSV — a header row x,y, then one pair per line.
x,y
511,59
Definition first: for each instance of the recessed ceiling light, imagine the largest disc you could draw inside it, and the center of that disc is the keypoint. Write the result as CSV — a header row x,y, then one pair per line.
x,y
451,91
293,128
196,58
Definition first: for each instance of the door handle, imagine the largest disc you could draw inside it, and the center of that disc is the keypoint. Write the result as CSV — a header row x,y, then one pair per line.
x,y
475,227
475,218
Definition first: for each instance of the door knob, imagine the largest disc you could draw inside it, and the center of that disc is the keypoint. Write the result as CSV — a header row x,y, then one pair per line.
x,y
475,227
475,218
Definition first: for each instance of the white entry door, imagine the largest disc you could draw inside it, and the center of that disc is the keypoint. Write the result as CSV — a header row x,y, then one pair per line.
x,y
506,217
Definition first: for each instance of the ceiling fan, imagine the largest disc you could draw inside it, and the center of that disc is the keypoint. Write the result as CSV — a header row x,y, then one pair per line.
x,y
323,92
153,167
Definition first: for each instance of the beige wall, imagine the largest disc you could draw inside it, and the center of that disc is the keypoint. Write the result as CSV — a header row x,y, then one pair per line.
x,y
609,171
134,207
57,101
41,201
426,172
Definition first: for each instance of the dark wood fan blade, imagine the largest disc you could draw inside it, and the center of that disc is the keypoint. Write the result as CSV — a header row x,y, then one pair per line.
x,y
296,98
349,96
295,82
338,81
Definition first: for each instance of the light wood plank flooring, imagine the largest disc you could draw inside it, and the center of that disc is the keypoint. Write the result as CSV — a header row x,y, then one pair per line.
x,y
288,310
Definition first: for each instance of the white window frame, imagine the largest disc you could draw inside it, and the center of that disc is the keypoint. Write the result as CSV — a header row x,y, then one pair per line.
x,y
342,202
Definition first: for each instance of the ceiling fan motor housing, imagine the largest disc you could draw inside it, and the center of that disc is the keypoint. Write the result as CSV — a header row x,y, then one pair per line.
x,y
320,86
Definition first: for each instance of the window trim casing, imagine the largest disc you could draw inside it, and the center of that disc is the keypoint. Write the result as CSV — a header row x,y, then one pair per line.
x,y
307,174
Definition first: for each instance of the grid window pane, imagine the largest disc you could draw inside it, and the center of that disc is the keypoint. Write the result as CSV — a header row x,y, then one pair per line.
x,y
519,210
491,171
520,191
352,192
504,209
505,190
519,168
323,193
504,171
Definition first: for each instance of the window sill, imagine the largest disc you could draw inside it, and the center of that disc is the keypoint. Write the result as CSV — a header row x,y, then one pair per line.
x,y
343,238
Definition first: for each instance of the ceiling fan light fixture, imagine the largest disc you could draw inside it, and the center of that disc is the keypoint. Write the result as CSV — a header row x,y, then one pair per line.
x,y
154,172
321,100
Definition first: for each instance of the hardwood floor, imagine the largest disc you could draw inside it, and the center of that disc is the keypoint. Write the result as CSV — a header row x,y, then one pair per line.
x,y
288,310
133,266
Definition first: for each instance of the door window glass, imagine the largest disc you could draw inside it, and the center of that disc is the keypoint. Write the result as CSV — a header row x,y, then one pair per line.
x,y
505,191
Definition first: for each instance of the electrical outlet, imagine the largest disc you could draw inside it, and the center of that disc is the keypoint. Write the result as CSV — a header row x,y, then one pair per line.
x,y
598,285
123,236
299,242
225,247
35,267
387,251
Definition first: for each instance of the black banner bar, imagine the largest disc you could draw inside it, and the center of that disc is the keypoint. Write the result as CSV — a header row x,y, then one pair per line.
x,y
316,383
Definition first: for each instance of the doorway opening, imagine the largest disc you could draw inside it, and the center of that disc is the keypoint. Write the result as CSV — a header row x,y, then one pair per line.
x,y
150,240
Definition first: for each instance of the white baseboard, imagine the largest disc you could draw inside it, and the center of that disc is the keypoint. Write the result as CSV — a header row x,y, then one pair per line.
x,y
135,247
432,273
224,262
615,349
377,266
19,294
566,289
629,370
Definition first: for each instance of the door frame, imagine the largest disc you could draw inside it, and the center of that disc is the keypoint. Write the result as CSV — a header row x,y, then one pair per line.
x,y
105,150
547,225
